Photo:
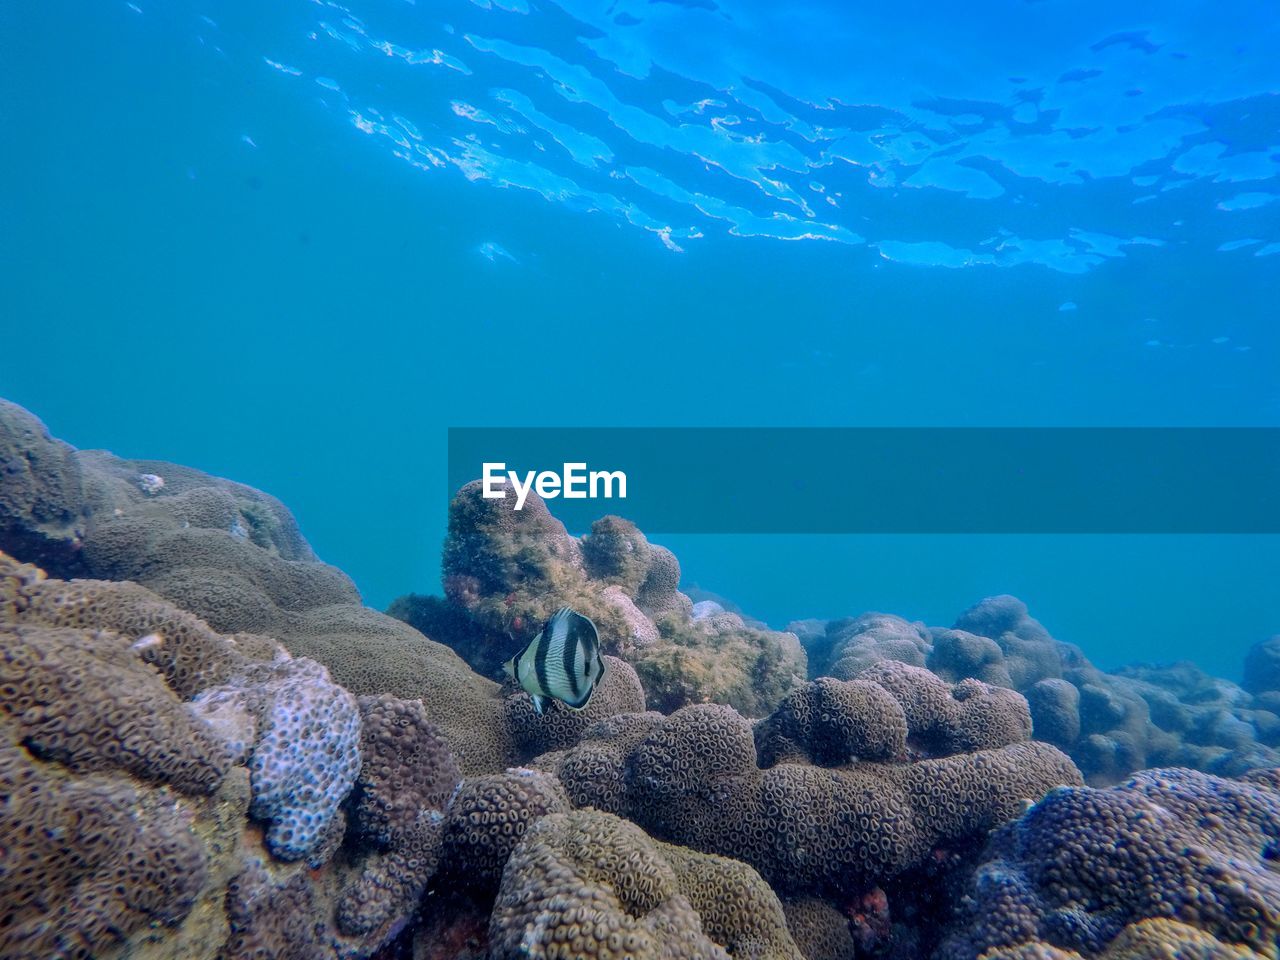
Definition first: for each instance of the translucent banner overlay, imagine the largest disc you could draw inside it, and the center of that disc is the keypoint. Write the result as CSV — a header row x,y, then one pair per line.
x,y
891,480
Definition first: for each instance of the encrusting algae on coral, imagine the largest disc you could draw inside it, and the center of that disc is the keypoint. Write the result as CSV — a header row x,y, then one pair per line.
x,y
210,749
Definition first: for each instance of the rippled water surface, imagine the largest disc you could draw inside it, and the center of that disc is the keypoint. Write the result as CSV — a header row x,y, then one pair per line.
x,y
290,242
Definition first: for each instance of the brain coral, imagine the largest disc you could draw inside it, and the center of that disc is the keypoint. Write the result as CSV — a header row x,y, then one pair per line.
x,y
560,727
1110,723
228,553
96,705
489,815
819,929
693,779
1262,666
270,920
720,660
370,653
854,643
189,655
1169,845
590,884
888,708
91,853
406,779
1156,939
42,508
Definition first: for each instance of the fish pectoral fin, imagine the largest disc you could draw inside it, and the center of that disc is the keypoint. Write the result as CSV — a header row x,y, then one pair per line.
x,y
582,704
539,703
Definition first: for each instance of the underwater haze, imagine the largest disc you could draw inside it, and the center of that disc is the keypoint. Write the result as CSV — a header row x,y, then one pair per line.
x,y
292,243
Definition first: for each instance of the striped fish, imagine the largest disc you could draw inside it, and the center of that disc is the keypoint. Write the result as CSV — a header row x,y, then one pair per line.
x,y
561,663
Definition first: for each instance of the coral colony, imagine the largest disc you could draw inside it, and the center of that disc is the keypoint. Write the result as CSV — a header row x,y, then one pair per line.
x,y
212,749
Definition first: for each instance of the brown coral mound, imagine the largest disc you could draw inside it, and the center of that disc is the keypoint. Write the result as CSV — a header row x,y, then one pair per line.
x,y
693,779
96,706
270,920
42,508
406,779
488,818
889,708
819,929
1084,864
189,655
505,572
370,653
1155,939
559,727
719,660
234,559
87,861
588,883
594,773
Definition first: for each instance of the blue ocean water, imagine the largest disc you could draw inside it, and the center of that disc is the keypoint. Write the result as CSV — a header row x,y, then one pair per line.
x,y
292,243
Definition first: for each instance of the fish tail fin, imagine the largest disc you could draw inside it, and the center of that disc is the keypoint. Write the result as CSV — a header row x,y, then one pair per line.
x,y
509,668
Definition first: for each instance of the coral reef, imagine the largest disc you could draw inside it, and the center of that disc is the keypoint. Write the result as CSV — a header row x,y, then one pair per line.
x,y
1111,724
1084,864
42,508
300,735
488,818
131,799
819,929
559,727
1262,667
854,643
97,706
406,780
210,749
235,561
96,857
506,572
590,884
891,707
693,777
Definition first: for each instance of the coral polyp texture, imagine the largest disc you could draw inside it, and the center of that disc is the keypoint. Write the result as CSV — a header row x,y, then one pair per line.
x,y
299,733
588,883
506,571
1110,723
870,811
406,780
1083,869
210,749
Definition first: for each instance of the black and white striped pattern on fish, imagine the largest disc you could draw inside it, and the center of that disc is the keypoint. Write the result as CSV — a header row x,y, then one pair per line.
x,y
562,662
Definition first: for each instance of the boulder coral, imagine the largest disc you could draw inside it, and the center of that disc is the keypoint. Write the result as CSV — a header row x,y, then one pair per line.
x,y
505,572
889,709
588,883
88,860
1111,724
487,819
694,778
156,777
1081,868
210,749
406,780
235,562
559,727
